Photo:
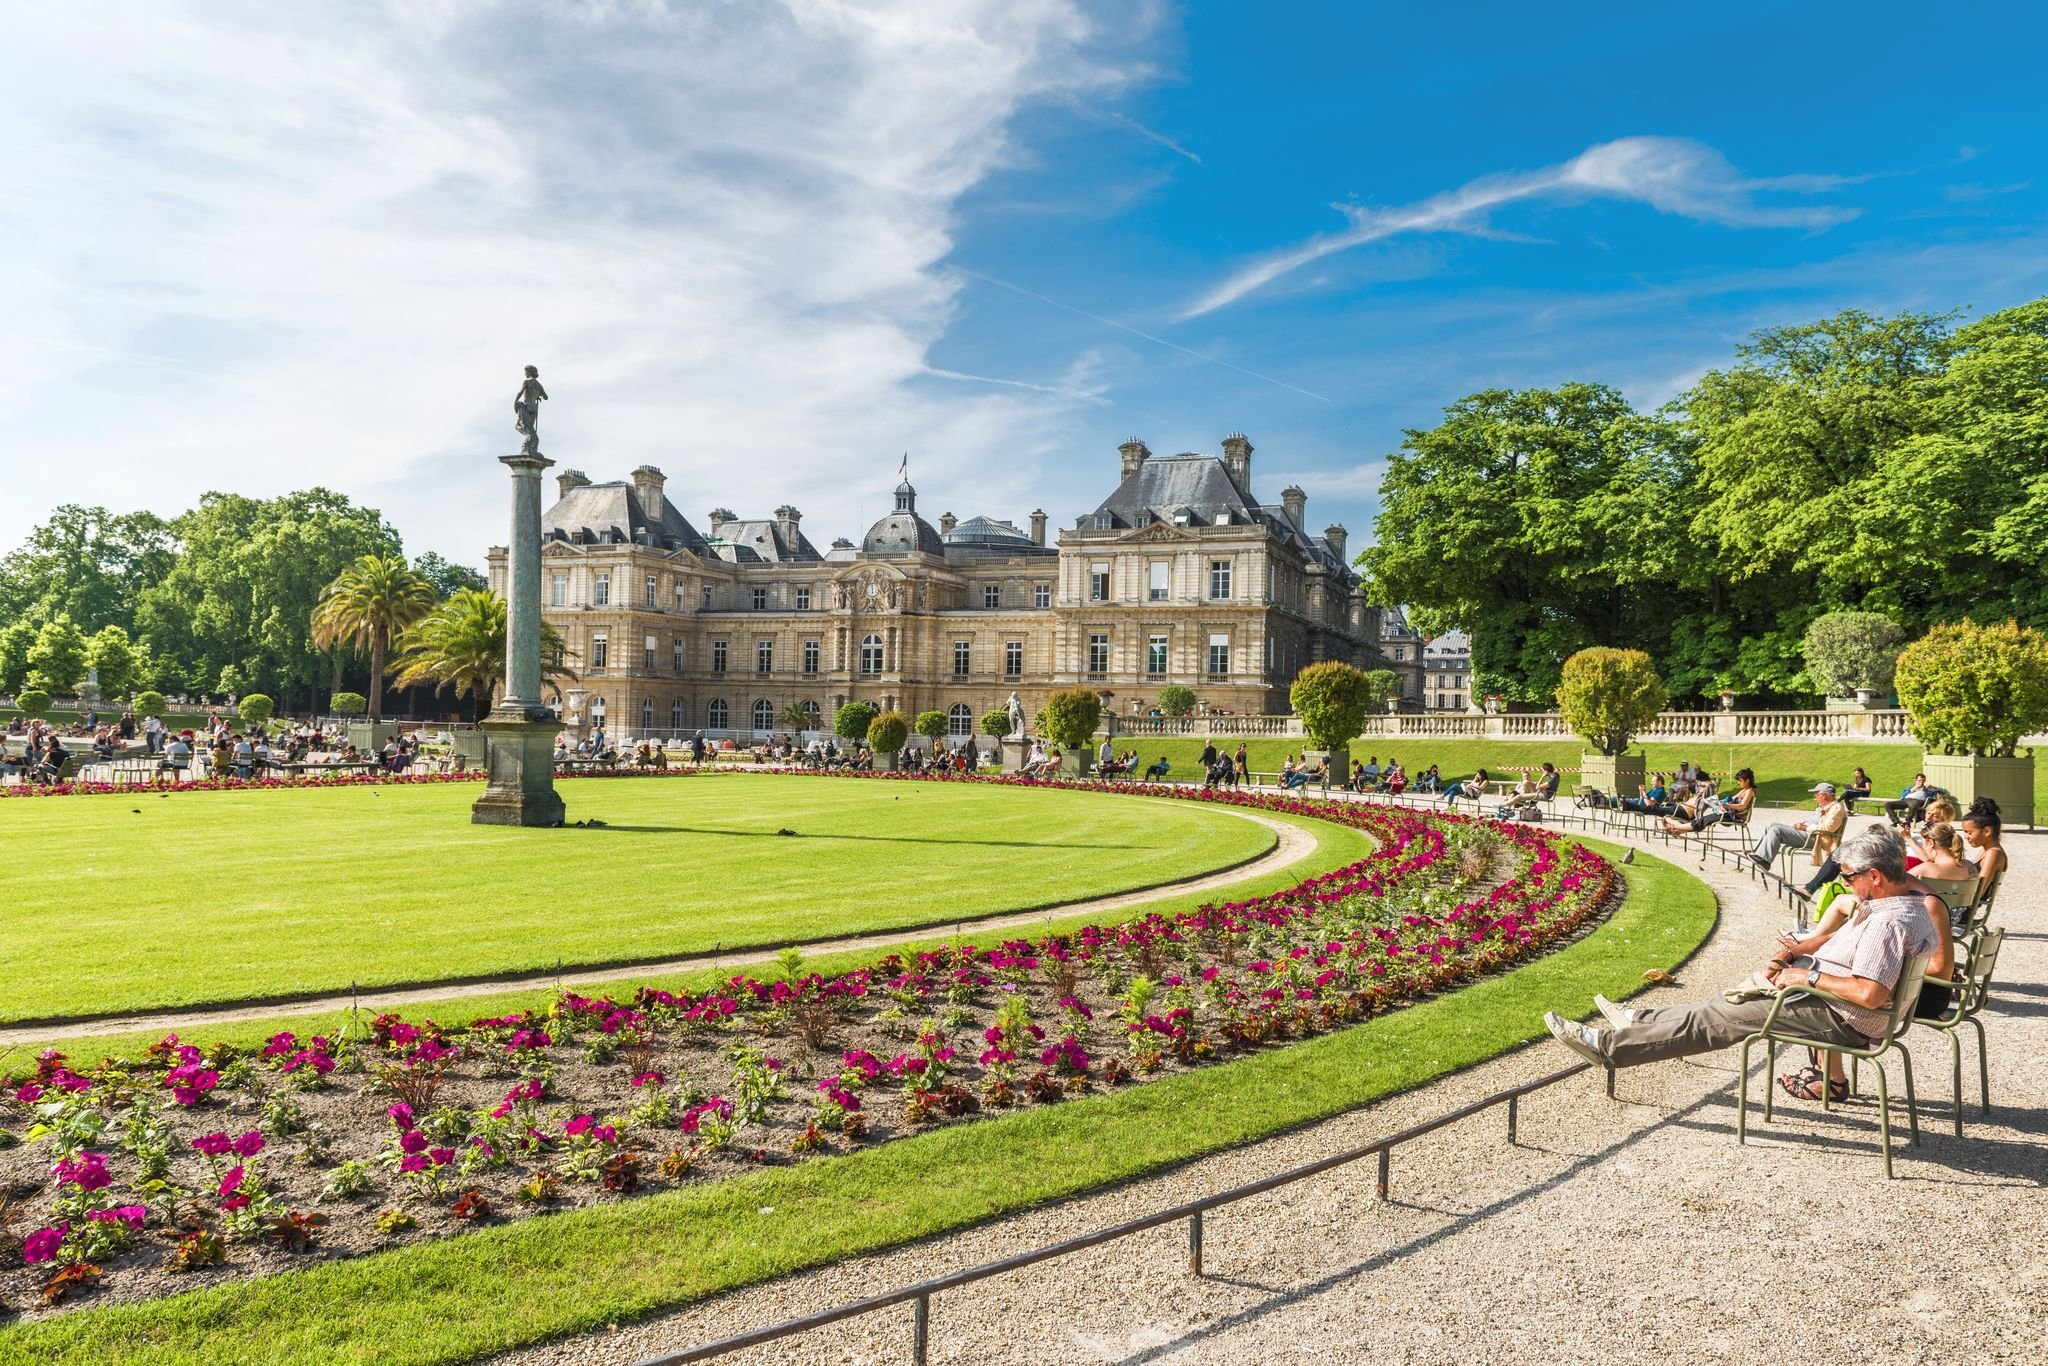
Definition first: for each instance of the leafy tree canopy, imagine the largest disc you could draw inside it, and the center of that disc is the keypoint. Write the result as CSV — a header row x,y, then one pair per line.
x,y
851,721
1975,689
446,577
930,724
1608,696
56,661
1330,698
887,732
1070,716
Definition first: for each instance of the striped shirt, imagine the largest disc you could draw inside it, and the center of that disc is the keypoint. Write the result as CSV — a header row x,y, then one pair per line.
x,y
1875,945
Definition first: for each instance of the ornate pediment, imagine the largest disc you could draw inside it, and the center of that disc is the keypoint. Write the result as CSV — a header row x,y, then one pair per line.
x,y
1158,531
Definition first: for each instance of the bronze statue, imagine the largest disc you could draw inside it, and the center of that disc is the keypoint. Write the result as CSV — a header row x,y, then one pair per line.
x,y
526,411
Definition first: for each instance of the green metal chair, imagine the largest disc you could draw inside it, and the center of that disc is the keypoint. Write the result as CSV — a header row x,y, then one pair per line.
x,y
1971,984
1904,994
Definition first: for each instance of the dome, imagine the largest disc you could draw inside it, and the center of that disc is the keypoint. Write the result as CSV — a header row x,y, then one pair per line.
x,y
987,531
901,532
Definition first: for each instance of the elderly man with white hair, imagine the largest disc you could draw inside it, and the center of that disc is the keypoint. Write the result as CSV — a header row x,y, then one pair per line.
x,y
1860,963
1819,834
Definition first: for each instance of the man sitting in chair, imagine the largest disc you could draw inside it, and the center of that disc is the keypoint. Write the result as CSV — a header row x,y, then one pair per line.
x,y
1860,963
1155,772
1819,834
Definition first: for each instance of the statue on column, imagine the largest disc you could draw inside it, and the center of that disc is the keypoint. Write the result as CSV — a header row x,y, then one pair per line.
x,y
526,411
1016,710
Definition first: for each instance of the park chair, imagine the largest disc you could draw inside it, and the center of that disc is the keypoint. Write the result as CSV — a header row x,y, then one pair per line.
x,y
1905,993
1960,895
1971,984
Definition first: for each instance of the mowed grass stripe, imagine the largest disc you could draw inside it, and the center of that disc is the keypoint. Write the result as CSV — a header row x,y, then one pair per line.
x,y
130,903
524,1283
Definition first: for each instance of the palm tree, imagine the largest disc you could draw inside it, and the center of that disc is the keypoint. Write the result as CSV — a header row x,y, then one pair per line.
x,y
370,604
460,646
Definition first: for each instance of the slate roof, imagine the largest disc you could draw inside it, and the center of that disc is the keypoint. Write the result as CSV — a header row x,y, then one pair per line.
x,y
1167,486
987,536
609,512
761,542
903,531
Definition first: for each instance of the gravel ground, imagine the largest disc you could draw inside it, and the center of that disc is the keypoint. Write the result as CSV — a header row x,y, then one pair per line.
x,y
1626,1230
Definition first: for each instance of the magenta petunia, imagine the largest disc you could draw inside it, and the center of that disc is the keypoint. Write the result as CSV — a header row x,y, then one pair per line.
x,y
132,1216
412,1141
442,1156
401,1115
29,1094
249,1144
42,1245
230,1183
414,1162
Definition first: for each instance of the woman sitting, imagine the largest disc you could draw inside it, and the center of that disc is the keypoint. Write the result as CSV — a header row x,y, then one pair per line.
x,y
1708,809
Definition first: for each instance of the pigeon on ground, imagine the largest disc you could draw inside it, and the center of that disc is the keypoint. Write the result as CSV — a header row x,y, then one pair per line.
x,y
1629,857
785,830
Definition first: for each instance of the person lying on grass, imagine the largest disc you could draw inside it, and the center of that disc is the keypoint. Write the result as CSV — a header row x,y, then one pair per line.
x,y
1860,963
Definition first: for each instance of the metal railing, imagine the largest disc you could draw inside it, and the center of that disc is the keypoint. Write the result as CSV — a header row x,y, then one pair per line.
x,y
919,1293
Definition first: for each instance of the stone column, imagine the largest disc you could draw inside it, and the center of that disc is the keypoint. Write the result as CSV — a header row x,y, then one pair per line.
x,y
519,732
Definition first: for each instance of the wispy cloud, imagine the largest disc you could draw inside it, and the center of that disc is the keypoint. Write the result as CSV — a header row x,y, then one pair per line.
x,y
1117,119
1672,175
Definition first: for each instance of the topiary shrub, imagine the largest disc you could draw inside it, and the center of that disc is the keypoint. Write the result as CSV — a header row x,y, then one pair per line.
x,y
348,704
930,724
32,701
995,723
1850,650
1070,717
887,732
256,709
1608,696
851,721
1331,698
1975,689
1386,686
1177,700
149,703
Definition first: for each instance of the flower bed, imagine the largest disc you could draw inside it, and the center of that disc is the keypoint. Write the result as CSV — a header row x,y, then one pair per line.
x,y
190,1165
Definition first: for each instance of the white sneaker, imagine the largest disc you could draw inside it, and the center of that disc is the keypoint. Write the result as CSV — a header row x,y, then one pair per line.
x,y
1616,1015
1583,1040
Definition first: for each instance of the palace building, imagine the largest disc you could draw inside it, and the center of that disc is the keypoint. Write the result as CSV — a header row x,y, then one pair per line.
x,y
1179,576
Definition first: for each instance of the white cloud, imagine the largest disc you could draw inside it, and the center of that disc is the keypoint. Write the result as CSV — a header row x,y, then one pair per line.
x,y
1672,175
255,246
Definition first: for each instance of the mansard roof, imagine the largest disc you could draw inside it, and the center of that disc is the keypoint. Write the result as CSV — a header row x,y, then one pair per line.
x,y
763,541
1167,487
609,513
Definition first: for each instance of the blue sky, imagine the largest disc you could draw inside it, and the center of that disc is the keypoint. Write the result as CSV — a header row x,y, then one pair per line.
x,y
771,247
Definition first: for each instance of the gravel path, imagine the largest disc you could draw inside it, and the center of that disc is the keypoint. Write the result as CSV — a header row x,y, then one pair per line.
x,y
1292,844
1626,1230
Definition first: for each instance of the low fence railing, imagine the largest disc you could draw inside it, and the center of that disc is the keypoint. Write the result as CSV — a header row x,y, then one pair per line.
x,y
919,1294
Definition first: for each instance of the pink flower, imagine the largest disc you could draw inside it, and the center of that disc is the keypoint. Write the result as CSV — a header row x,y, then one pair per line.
x,y
401,1115
235,1202
232,1181
211,1145
604,1133
88,1172
415,1162
649,1079
29,1094
249,1144
71,1081
579,1125
412,1141
280,1043
442,1156
41,1246
131,1215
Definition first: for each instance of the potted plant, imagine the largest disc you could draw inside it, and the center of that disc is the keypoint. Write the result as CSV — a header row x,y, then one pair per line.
x,y
1850,657
1069,719
886,736
1177,700
1331,699
1974,692
1606,697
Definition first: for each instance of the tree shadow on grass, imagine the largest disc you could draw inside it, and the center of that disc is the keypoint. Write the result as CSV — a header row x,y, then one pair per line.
x,y
609,829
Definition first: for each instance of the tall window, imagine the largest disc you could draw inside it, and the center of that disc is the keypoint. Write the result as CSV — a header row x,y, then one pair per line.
x,y
810,656
682,595
1439,701
647,657
871,654
991,595
963,658
1400,653
803,599
764,714
599,645
1013,658
1041,595
1156,580
677,714
715,715
1098,582
707,597
1219,578
959,719
764,656
760,599
646,714
1098,654
558,590
1155,654
651,602
718,656
1219,653
811,710
597,711
602,592
676,654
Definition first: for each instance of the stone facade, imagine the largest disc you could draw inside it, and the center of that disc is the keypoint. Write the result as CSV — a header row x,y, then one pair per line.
x,y
1447,673
1178,576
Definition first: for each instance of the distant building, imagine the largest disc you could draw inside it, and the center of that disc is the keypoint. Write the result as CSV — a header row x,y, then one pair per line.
x,y
1447,673
1179,576
1402,645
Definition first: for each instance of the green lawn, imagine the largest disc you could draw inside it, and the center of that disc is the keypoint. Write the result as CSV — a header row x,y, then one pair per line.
x,y
123,903
1784,772
524,1283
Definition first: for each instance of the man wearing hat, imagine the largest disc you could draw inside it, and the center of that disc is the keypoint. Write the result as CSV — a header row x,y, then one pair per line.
x,y
1820,835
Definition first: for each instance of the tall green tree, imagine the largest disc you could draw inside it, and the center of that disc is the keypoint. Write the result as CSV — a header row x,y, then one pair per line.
x,y
1541,520
115,659
460,646
56,662
85,563
370,604
447,577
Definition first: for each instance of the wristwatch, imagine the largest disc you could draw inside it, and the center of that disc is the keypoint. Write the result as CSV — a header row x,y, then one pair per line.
x,y
1813,977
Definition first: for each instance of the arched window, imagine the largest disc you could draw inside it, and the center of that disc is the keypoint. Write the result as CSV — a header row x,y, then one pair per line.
x,y
764,714
597,711
871,655
715,714
678,715
960,720
646,714
817,721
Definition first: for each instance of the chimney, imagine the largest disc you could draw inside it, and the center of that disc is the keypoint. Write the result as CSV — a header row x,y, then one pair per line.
x,y
647,485
570,479
718,517
1134,453
947,521
1237,458
1336,536
1038,526
786,520
1296,502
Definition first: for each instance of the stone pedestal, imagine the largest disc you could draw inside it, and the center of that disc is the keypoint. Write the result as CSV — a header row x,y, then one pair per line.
x,y
1015,752
520,789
